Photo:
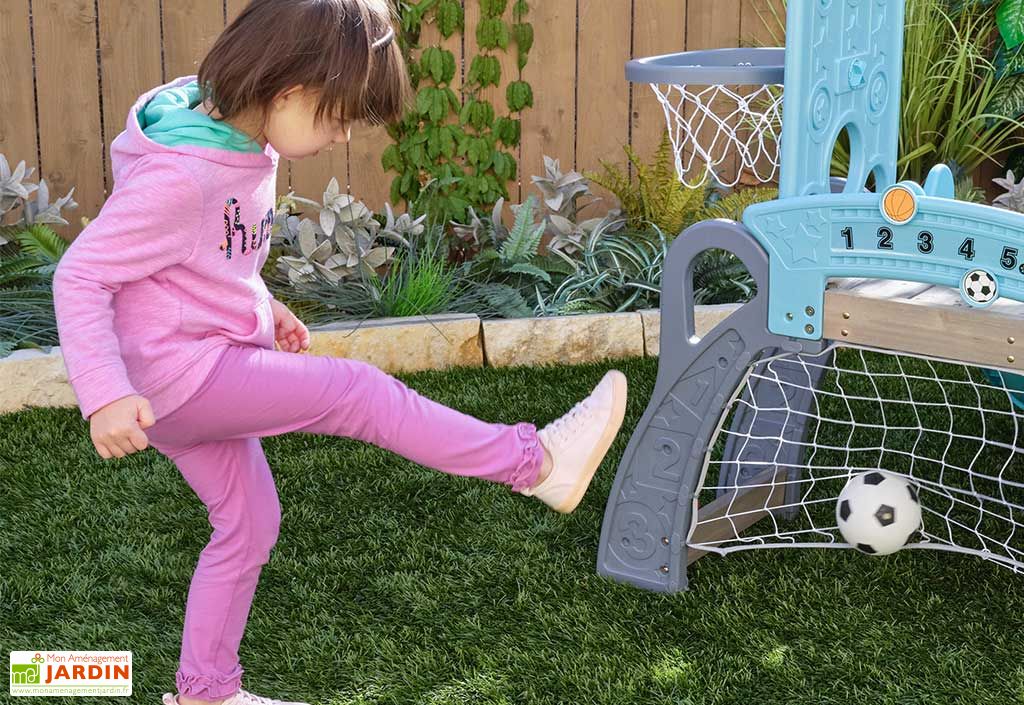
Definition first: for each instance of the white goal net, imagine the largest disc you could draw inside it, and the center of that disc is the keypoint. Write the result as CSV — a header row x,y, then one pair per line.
x,y
801,426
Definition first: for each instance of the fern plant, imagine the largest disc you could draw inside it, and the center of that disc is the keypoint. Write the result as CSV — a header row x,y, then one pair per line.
x,y
719,277
27,264
731,206
657,196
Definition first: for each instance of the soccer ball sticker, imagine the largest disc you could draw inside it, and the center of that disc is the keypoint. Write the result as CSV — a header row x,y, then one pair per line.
x,y
979,288
877,512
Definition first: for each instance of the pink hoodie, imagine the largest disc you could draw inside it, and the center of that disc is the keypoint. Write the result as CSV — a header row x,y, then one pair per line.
x,y
169,271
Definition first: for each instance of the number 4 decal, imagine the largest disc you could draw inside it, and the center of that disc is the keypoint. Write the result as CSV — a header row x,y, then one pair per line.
x,y
967,249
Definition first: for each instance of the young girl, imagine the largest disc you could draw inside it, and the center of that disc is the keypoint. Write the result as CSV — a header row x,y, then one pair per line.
x,y
170,336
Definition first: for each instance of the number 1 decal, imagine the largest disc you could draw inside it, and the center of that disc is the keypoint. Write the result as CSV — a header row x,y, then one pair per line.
x,y
847,234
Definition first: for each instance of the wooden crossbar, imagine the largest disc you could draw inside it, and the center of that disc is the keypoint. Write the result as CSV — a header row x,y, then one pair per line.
x,y
716,520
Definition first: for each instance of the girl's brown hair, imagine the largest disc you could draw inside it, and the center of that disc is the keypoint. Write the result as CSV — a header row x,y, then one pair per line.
x,y
324,45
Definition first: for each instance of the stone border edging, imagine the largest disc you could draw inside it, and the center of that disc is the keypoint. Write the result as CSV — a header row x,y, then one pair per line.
x,y
36,378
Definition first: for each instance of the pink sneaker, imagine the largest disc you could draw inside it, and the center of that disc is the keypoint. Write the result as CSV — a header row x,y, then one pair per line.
x,y
578,442
242,697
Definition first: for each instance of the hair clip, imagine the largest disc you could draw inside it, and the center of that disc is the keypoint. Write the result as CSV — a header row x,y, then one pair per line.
x,y
386,39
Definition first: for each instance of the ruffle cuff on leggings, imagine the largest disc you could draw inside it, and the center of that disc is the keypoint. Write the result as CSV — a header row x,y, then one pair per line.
x,y
528,468
209,687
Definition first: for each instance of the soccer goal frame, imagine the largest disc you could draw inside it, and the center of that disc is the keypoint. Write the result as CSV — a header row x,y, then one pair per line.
x,y
753,429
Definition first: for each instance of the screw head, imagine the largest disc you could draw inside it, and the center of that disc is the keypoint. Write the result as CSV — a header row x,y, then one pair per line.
x,y
846,315
664,540
809,328
809,310
1011,358
789,316
845,332
664,569
1011,340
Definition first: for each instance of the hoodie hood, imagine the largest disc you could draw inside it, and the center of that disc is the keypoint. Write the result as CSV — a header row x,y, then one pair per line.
x,y
133,143
174,118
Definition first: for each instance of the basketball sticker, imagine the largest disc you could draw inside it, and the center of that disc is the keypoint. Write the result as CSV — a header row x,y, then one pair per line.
x,y
899,205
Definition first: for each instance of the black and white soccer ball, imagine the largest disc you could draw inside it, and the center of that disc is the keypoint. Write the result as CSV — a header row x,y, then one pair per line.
x,y
979,287
878,511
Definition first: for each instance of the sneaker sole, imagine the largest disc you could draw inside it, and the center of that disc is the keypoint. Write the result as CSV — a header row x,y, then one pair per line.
x,y
611,429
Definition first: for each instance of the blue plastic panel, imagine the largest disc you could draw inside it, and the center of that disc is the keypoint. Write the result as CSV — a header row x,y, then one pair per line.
x,y
843,69
813,238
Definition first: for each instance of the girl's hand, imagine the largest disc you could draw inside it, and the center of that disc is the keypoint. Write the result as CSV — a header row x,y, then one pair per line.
x,y
290,333
116,429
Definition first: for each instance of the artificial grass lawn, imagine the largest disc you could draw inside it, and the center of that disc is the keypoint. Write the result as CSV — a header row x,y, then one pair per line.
x,y
396,583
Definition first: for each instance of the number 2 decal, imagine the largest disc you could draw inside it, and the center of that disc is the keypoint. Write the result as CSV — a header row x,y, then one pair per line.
x,y
884,239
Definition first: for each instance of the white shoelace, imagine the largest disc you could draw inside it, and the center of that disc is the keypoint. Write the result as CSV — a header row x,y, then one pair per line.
x,y
564,425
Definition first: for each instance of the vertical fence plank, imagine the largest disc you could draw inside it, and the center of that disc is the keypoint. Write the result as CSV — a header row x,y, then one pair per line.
x,y
17,97
659,27
69,104
129,62
715,26
762,23
549,126
190,28
602,114
495,95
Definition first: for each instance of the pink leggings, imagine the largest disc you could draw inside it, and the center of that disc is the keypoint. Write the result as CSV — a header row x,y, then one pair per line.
x,y
214,439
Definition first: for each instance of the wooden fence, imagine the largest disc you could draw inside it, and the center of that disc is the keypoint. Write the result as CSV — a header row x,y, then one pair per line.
x,y
71,69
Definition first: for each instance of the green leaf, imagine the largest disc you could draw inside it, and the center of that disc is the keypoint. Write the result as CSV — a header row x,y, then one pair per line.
x,y
519,95
434,143
482,115
485,34
493,8
453,99
396,189
440,106
503,36
449,17
466,114
447,66
523,33
1010,18
391,158
447,142
492,33
527,268
482,70
407,178
1009,98
520,8
433,63
425,101
507,131
1008,62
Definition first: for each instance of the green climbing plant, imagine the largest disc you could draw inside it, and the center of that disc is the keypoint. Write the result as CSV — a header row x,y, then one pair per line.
x,y
457,151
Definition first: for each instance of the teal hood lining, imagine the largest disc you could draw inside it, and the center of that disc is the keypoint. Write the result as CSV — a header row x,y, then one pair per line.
x,y
169,119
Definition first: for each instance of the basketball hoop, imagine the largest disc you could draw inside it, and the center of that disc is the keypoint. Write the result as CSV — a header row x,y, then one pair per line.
x,y
723,109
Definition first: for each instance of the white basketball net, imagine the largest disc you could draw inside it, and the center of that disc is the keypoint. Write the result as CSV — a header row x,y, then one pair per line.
x,y
720,132
942,425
